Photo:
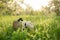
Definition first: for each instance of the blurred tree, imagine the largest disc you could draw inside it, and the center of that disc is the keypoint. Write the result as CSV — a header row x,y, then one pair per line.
x,y
29,10
56,3
3,7
5,1
8,7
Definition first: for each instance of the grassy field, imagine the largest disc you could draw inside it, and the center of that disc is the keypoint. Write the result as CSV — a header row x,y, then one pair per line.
x,y
45,28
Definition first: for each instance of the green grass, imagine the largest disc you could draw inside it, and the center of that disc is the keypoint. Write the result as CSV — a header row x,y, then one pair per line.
x,y
46,28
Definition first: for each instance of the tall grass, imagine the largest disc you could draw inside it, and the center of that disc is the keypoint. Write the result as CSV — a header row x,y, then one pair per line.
x,y
45,28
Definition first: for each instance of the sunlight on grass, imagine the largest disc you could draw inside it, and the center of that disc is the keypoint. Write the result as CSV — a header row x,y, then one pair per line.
x,y
45,28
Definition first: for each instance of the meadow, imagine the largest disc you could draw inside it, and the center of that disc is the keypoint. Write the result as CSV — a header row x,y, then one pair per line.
x,y
45,28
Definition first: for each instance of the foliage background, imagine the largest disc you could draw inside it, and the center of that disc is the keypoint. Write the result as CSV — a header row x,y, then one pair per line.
x,y
46,22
